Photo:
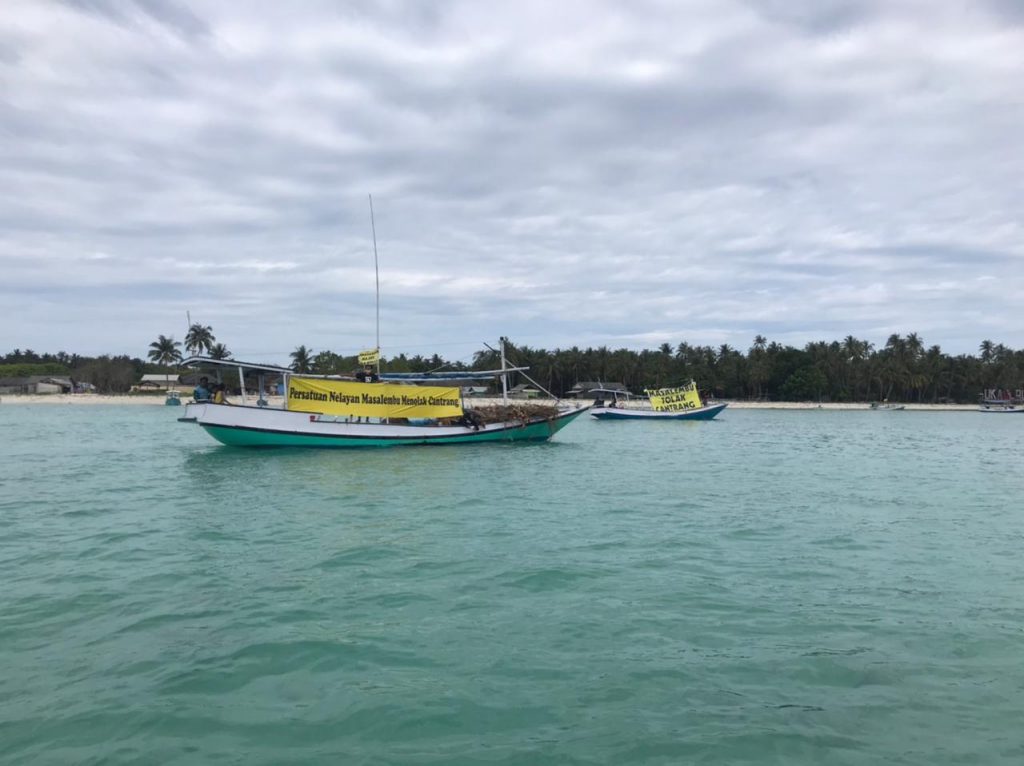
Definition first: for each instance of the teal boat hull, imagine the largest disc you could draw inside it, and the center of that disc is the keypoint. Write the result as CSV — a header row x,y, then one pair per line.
x,y
248,431
614,413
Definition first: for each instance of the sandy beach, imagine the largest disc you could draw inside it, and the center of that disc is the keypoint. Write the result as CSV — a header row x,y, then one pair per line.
x,y
277,401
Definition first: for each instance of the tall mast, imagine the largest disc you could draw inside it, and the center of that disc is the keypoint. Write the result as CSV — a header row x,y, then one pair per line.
x,y
376,276
504,376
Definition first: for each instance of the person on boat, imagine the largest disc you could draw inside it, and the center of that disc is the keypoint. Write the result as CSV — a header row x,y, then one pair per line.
x,y
220,395
367,375
201,393
471,419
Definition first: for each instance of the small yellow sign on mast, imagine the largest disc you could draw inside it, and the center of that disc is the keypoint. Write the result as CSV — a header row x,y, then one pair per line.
x,y
370,357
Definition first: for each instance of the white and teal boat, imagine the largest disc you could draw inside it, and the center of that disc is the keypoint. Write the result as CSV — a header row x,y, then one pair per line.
x,y
333,412
683,403
887,407
1002,401
243,426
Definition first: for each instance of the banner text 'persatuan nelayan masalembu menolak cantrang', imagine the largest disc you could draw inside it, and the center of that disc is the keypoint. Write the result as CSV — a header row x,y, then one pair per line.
x,y
373,400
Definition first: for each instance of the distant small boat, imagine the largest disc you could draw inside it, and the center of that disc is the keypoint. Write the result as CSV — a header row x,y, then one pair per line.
x,y
1001,400
886,407
1001,405
683,403
173,398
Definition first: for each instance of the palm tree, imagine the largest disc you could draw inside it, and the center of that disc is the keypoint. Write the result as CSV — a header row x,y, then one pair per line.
x,y
301,359
199,338
757,357
164,350
915,345
602,355
483,359
987,349
219,351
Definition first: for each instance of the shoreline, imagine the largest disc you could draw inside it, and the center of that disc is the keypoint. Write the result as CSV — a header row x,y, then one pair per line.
x,y
277,401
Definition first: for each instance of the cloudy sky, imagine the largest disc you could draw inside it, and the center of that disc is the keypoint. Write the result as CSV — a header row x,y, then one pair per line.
x,y
563,173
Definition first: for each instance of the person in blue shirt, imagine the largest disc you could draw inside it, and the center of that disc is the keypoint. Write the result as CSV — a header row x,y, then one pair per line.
x,y
201,393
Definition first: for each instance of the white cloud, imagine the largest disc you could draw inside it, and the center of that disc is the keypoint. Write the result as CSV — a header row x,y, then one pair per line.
x,y
564,174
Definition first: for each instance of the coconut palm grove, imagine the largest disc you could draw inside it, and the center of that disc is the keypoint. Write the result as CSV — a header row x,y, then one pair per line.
x,y
847,370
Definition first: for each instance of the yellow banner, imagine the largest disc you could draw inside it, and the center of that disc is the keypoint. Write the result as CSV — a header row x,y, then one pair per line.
x,y
675,399
373,400
369,357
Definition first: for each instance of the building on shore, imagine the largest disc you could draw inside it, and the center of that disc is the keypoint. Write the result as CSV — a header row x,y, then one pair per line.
x,y
44,384
160,381
585,389
523,391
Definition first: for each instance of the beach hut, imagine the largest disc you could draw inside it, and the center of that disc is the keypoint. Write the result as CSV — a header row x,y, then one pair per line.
x,y
35,384
161,381
585,389
523,391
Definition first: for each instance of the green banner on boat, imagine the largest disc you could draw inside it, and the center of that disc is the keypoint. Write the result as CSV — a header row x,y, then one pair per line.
x,y
372,400
675,399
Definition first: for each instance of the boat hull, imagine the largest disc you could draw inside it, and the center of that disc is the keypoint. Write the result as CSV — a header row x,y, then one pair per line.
x,y
238,426
1004,409
615,413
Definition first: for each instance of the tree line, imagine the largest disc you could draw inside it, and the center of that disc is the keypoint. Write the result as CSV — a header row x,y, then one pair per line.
x,y
113,374
850,370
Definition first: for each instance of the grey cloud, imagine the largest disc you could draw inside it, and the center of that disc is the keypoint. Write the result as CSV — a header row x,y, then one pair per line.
x,y
708,171
171,15
827,16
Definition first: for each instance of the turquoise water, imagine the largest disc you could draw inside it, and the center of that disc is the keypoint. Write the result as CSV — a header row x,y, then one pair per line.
x,y
770,587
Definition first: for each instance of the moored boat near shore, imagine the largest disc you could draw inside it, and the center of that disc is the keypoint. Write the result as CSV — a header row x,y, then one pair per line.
x,y
887,407
1000,401
683,403
1000,406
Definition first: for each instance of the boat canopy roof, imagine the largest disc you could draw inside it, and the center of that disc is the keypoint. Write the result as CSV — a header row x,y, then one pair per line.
x,y
196,361
439,377
396,377
610,391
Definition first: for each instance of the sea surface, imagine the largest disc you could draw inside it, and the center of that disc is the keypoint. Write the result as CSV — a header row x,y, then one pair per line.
x,y
772,587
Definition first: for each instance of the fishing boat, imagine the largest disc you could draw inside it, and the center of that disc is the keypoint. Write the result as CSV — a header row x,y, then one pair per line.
x,y
682,403
1001,406
886,407
396,410
375,409
1006,402
173,398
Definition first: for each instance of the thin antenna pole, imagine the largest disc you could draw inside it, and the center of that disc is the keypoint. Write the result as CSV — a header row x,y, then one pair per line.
x,y
504,376
521,371
376,276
